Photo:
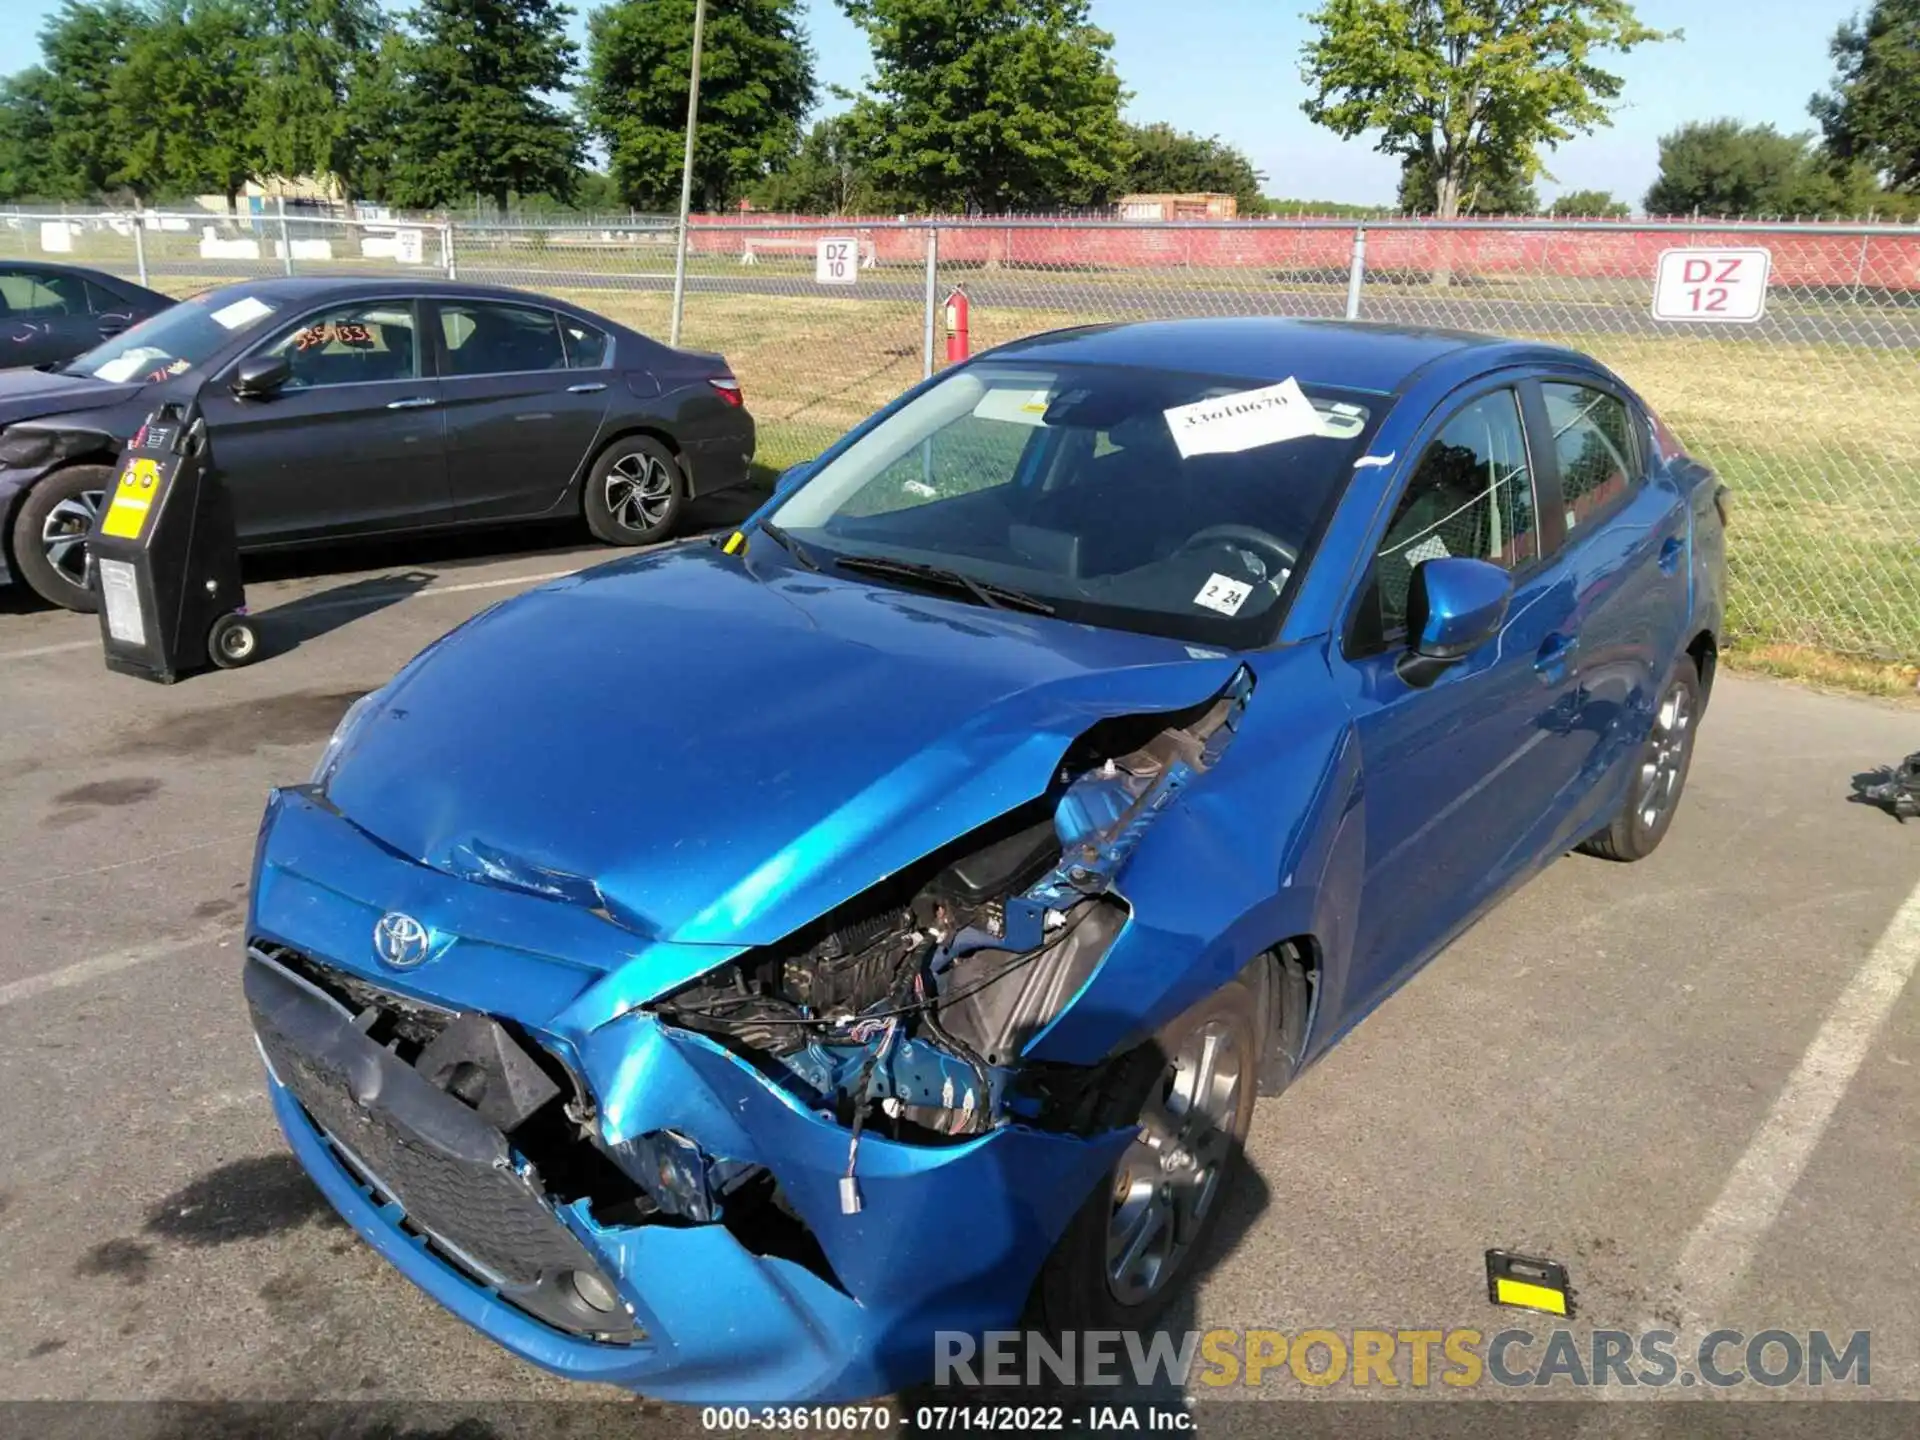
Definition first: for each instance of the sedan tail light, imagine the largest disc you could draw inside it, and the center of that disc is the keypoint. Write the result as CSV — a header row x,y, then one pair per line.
x,y
728,389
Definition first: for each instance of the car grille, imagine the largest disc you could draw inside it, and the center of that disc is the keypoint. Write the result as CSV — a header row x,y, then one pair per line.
x,y
482,1210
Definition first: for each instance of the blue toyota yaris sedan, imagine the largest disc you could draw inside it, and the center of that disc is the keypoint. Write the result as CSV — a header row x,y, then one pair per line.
x,y
718,971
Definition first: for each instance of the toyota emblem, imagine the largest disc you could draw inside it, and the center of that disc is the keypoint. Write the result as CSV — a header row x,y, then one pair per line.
x,y
400,941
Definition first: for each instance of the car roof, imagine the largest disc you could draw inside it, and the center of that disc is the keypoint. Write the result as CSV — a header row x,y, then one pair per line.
x,y
300,288
1348,354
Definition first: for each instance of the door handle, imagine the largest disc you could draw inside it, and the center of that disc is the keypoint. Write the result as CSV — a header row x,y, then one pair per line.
x,y
1555,656
1670,555
112,327
416,402
590,388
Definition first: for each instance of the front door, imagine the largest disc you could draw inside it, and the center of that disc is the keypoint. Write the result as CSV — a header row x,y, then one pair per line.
x,y
525,389
352,444
1457,770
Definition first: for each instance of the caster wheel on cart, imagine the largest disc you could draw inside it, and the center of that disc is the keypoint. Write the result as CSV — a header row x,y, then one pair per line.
x,y
232,642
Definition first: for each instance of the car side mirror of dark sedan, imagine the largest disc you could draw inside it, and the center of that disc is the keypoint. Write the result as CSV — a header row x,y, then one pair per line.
x,y
1454,606
259,376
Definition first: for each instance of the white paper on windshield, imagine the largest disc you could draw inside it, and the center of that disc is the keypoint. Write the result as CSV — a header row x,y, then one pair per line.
x,y
1223,593
243,311
125,367
1016,407
1247,420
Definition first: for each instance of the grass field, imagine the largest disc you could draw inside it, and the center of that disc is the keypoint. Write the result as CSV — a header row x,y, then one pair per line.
x,y
1819,442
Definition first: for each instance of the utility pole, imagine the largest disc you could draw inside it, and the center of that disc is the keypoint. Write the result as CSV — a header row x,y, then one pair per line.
x,y
686,175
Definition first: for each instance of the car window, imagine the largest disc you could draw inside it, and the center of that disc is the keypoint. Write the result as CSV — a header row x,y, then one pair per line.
x,y
588,348
1471,495
968,456
1593,441
352,345
102,301
483,339
42,295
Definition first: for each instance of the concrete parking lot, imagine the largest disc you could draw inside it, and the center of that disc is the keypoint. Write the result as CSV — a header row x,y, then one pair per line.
x,y
1693,1080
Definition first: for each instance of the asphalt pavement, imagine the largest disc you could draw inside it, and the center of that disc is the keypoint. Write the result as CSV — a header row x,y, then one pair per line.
x,y
1693,1080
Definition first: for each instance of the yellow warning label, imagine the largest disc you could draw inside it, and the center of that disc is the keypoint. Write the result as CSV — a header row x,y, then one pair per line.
x,y
133,499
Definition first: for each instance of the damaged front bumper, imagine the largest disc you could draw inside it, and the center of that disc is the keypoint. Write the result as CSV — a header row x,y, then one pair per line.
x,y
832,1306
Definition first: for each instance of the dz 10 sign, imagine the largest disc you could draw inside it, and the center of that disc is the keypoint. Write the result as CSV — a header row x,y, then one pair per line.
x,y
1723,286
836,262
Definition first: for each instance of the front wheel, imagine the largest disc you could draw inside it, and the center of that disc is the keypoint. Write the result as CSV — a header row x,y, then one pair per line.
x,y
1654,789
634,492
51,534
1190,1092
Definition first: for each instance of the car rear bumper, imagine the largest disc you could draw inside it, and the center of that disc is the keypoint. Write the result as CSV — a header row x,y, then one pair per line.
x,y
720,462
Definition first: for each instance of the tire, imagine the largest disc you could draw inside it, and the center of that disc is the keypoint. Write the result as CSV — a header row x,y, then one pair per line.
x,y
48,552
1082,1287
1660,776
232,642
634,493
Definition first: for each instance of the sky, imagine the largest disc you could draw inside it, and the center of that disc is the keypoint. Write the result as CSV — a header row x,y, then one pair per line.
x,y
1231,68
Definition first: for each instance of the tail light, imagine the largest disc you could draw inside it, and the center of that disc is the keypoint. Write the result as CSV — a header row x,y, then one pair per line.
x,y
728,389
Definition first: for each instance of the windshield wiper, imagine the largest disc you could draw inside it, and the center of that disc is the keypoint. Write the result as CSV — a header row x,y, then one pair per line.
x,y
787,543
998,597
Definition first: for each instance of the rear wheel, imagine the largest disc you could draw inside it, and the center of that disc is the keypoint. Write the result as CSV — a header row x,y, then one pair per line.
x,y
50,535
1653,793
1191,1094
634,492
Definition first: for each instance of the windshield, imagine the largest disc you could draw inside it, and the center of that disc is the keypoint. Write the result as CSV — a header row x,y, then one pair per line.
x,y
1174,504
176,340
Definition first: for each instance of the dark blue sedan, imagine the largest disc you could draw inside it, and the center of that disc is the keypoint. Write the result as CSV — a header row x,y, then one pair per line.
x,y
720,971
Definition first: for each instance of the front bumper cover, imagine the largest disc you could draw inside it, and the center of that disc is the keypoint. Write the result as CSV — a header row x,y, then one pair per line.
x,y
949,1237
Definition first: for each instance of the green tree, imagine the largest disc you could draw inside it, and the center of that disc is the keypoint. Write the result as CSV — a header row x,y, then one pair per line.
x,y
26,138
756,85
470,108
1589,205
1721,167
180,100
1492,190
83,47
824,178
313,54
989,105
1167,161
1467,86
1872,114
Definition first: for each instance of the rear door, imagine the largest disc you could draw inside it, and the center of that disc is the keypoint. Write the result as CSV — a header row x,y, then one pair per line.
x,y
45,317
1627,567
353,444
1459,772
525,391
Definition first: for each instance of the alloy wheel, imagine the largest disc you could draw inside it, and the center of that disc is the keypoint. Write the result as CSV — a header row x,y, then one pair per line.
x,y
64,534
1666,755
639,491
1166,1182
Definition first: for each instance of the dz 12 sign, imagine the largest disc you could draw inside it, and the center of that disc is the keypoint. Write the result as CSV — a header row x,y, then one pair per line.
x,y
836,262
1726,287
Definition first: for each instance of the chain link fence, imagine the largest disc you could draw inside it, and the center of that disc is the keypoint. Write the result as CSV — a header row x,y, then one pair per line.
x,y
1811,413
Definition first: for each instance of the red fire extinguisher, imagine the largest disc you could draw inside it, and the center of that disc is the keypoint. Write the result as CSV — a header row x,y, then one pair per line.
x,y
957,341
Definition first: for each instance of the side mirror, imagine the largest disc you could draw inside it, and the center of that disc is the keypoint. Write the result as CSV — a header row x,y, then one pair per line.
x,y
258,376
792,476
1454,606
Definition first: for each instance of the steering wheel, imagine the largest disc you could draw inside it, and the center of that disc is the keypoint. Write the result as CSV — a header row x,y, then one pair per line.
x,y
1269,546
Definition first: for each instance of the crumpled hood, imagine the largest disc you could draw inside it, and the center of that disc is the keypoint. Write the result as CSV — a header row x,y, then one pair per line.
x,y
30,394
726,754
